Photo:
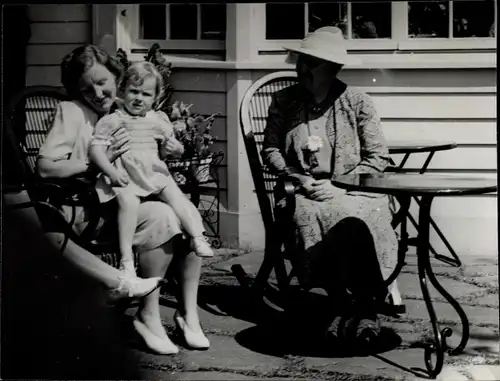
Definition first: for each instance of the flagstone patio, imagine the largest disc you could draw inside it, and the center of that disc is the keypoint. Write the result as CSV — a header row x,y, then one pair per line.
x,y
242,347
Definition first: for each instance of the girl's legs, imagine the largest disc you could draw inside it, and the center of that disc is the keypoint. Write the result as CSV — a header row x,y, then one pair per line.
x,y
128,209
189,216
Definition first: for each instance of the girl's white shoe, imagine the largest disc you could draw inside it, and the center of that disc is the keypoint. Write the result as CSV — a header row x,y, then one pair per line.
x,y
134,287
201,247
153,342
127,266
195,340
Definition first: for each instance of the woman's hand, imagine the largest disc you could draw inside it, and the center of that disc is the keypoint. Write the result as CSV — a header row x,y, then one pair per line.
x,y
173,147
119,144
321,190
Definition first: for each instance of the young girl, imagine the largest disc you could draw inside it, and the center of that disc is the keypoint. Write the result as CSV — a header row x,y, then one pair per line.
x,y
140,172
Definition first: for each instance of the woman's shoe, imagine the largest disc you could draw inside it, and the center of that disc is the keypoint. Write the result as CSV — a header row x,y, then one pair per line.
x,y
153,342
195,340
134,288
389,308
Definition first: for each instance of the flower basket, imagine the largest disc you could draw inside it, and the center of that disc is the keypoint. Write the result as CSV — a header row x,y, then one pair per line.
x,y
196,167
201,169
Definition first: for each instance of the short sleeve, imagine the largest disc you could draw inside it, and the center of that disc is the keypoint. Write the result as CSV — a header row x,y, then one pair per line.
x,y
60,140
165,127
104,129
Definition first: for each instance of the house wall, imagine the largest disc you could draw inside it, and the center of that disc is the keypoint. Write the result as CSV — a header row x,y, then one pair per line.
x,y
431,104
56,29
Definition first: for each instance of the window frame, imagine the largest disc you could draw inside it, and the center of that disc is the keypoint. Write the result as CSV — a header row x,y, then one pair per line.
x,y
399,40
168,44
245,50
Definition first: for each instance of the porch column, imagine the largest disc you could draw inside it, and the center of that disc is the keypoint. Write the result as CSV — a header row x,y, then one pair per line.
x,y
244,227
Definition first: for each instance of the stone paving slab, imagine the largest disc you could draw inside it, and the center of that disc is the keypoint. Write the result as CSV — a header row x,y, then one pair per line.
x,y
233,357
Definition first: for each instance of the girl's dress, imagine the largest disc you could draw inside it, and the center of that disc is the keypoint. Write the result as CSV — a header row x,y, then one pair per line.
x,y
148,174
69,138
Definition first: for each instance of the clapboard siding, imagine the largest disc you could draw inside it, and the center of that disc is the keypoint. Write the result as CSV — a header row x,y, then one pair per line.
x,y
460,158
457,105
56,29
206,90
468,132
435,106
59,12
414,78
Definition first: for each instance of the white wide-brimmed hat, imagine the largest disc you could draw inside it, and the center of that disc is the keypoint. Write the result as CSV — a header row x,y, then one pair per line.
x,y
326,43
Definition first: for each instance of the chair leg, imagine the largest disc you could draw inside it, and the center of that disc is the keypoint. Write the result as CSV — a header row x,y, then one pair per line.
x,y
281,275
263,274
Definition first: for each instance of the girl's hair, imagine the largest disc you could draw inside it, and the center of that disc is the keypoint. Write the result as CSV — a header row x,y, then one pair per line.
x,y
137,72
80,60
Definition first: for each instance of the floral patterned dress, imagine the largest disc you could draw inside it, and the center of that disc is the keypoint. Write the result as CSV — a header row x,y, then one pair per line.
x,y
351,141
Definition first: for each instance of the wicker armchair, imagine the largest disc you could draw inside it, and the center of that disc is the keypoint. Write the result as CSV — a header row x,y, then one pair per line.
x,y
27,120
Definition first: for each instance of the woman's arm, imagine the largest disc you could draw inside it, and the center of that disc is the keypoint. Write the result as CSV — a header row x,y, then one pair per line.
x,y
48,168
374,152
172,146
54,156
274,143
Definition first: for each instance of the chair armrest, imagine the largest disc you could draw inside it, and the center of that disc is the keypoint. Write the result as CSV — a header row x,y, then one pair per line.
x,y
394,169
73,191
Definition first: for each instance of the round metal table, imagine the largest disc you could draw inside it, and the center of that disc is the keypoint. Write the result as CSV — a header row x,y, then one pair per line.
x,y
427,186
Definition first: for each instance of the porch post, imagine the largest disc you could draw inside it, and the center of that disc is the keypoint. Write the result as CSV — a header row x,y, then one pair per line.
x,y
244,225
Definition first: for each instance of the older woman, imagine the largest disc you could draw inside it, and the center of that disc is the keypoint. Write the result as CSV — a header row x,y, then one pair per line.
x,y
90,77
315,130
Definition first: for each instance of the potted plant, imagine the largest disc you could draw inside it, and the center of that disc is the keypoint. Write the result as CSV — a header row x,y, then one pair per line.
x,y
193,130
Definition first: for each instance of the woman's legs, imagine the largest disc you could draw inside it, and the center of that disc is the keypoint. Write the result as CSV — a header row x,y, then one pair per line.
x,y
187,268
355,260
96,269
128,209
154,263
189,279
86,262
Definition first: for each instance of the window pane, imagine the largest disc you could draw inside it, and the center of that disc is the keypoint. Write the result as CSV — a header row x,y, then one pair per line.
x,y
371,20
183,21
285,21
153,22
213,21
473,18
328,14
428,19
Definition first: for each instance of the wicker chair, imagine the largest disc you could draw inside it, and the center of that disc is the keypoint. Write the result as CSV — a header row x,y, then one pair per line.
x,y
277,221
27,120
253,115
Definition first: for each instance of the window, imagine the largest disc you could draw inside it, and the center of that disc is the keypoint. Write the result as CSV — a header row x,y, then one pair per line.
x,y
357,20
451,19
387,25
179,26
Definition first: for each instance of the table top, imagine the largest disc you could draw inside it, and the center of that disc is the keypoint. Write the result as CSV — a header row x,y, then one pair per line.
x,y
416,184
413,146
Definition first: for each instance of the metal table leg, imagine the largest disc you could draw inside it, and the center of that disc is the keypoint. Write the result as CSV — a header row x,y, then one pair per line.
x,y
438,345
455,260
